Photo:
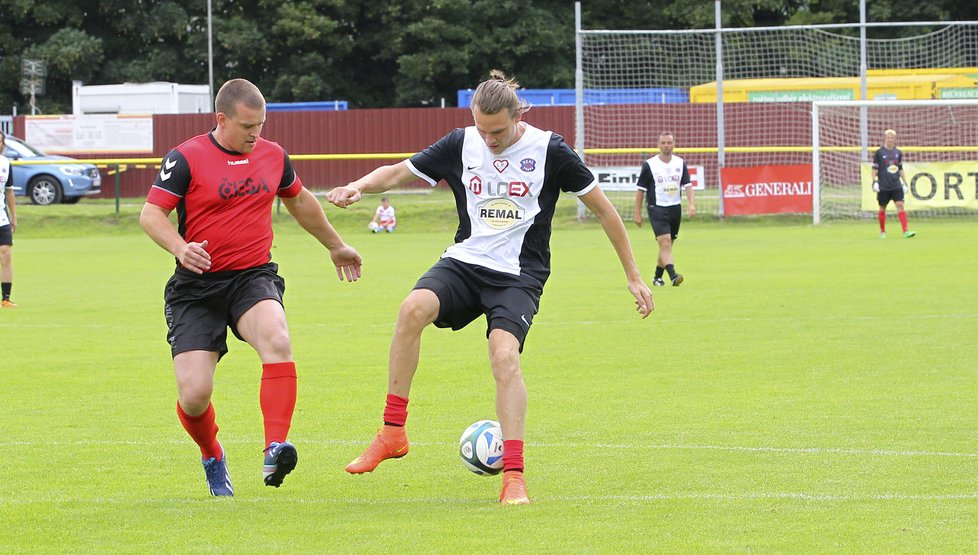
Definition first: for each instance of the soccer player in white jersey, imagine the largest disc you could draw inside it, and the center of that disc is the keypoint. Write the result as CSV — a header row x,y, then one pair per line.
x,y
661,181
506,176
8,224
384,218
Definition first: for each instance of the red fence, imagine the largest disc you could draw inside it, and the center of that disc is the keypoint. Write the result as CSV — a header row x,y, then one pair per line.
x,y
343,132
412,129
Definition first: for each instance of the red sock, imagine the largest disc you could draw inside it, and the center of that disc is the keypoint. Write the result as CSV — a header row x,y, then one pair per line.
x,y
203,430
903,221
882,217
512,455
277,397
395,412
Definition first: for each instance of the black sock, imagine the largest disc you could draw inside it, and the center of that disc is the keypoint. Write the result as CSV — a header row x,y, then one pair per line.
x,y
5,288
671,270
658,271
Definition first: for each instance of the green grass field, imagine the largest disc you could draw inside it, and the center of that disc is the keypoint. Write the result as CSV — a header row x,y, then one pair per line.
x,y
807,389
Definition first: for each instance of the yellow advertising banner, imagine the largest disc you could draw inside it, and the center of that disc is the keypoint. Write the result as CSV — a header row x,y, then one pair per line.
x,y
932,185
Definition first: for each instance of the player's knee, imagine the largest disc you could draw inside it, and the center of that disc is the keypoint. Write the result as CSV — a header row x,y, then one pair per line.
x,y
504,357
278,344
416,312
505,365
195,398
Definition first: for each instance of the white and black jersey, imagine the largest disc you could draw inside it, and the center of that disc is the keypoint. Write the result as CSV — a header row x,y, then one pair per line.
x,y
5,184
663,182
505,202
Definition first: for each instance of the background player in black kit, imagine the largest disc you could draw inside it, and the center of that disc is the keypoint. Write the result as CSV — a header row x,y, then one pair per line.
x,y
890,182
506,176
223,184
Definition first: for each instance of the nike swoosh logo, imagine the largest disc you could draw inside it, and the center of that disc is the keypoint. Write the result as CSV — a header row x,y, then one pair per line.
x,y
470,168
168,165
523,317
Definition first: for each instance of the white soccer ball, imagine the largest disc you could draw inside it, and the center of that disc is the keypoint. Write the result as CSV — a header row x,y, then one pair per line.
x,y
481,447
374,226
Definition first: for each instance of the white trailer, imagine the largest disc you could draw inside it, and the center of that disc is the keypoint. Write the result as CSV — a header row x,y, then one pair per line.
x,y
140,98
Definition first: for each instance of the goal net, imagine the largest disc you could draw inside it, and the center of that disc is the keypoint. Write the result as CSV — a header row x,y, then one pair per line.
x,y
939,141
637,84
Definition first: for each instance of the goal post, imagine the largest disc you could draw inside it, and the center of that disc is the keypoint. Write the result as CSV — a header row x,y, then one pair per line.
x,y
742,97
939,141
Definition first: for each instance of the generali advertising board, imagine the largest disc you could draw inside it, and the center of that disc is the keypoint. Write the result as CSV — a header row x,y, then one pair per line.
x,y
767,189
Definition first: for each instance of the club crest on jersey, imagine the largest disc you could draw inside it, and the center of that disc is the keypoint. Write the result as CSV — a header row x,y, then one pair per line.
x,y
528,164
500,165
229,190
501,213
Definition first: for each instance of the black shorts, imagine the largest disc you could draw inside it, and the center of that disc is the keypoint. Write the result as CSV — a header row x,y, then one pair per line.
x,y
884,197
666,219
199,309
466,291
6,235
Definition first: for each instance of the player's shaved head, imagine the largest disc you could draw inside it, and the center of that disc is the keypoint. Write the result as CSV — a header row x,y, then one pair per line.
x,y
238,91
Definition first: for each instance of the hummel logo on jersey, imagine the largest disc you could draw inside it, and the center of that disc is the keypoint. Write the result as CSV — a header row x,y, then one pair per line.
x,y
164,171
238,162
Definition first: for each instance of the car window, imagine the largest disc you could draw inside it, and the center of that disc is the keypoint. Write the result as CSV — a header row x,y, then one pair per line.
x,y
23,149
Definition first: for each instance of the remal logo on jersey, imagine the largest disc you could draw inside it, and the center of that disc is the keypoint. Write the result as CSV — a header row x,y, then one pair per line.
x,y
528,164
229,190
501,213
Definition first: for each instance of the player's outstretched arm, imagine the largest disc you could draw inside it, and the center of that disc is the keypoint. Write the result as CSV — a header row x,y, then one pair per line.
x,y
614,228
306,210
381,179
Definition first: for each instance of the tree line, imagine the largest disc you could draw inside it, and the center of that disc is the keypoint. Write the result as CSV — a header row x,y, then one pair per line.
x,y
376,54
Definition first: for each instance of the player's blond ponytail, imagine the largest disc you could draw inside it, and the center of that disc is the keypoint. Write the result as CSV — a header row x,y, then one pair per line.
x,y
498,93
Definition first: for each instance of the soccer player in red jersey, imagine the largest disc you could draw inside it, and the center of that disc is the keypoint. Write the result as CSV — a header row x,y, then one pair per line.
x,y
506,176
223,184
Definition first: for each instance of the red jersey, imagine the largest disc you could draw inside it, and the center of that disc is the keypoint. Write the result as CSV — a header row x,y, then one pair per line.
x,y
225,197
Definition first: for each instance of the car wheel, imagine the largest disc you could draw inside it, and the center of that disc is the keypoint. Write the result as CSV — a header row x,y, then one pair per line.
x,y
45,190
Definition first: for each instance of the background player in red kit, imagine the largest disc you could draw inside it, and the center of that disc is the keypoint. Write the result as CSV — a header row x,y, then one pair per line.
x,y
223,184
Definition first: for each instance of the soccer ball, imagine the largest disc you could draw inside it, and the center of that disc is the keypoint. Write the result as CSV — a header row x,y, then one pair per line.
x,y
374,226
481,447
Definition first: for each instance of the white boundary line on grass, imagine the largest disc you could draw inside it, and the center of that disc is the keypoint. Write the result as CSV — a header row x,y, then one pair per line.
x,y
682,496
653,446
555,323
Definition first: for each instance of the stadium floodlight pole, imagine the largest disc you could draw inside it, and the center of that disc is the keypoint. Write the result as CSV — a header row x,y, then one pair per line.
x,y
578,85
720,129
210,58
863,70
